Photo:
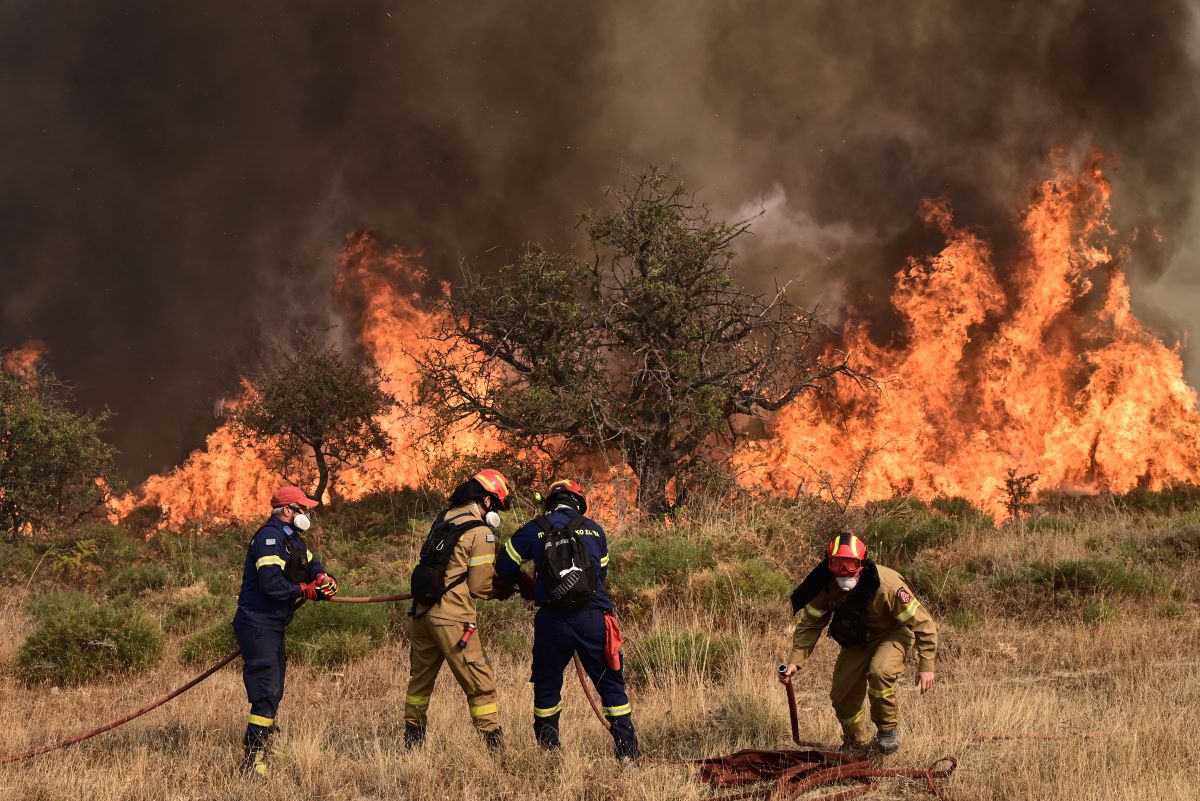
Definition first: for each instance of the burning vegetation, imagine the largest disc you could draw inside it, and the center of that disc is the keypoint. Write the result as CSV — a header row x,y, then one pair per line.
x,y
1034,366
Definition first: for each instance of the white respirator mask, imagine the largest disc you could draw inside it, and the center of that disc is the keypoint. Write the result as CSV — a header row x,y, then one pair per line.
x,y
492,519
846,583
301,521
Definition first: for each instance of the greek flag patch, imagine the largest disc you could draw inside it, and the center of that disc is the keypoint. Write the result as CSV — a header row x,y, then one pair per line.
x,y
270,542
491,538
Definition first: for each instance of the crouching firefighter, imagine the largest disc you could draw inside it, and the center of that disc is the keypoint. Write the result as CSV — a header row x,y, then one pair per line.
x,y
280,573
570,557
873,615
456,565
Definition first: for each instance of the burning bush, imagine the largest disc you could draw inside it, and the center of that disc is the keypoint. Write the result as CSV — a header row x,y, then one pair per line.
x,y
80,642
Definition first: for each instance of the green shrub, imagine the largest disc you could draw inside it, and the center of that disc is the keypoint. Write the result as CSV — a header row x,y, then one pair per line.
x,y
1099,610
939,588
328,634
958,508
1064,581
191,612
895,540
1171,609
139,579
964,619
638,565
1184,497
81,644
1049,523
56,604
690,652
744,579
209,645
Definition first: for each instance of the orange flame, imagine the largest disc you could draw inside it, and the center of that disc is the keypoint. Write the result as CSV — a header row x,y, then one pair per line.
x,y
23,361
1042,379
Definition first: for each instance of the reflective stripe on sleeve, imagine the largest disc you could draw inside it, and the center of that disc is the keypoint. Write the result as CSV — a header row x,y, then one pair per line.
x,y
269,560
546,712
604,561
617,711
512,552
309,555
909,611
417,700
813,611
259,720
485,709
481,560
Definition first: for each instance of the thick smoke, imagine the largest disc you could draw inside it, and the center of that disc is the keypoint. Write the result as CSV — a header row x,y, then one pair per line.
x,y
177,177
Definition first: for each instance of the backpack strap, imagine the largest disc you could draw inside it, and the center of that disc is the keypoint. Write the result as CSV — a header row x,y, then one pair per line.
x,y
464,528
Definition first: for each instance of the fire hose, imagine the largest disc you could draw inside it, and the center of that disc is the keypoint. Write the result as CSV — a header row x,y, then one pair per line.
x,y
793,773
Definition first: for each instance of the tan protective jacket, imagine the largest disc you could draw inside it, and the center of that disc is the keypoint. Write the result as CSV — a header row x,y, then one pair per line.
x,y
475,555
892,608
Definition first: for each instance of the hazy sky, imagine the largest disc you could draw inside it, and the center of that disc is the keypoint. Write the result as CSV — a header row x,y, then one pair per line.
x,y
176,177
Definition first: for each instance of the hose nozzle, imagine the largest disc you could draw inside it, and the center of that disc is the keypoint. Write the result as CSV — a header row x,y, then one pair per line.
x,y
782,669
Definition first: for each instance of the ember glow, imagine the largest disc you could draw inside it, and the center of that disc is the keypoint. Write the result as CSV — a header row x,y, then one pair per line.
x,y
1054,377
1036,365
23,361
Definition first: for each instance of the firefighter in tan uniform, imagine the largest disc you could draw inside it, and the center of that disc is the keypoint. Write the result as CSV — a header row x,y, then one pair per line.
x,y
873,615
457,564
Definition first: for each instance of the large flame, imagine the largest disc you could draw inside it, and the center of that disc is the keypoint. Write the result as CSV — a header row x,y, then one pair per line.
x,y
1053,377
1038,367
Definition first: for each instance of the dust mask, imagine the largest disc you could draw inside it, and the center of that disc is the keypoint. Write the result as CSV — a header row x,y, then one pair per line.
x,y
492,519
846,583
301,521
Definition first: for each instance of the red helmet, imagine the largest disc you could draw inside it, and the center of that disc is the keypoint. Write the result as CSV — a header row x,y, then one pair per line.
x,y
495,484
565,486
845,554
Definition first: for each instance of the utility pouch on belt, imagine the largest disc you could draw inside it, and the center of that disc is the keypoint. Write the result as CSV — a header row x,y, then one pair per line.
x,y
612,641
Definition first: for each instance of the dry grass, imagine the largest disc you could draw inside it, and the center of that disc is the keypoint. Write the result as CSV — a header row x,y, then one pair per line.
x,y
1121,693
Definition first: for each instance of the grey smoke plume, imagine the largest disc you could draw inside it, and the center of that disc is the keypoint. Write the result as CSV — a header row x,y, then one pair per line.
x,y
176,178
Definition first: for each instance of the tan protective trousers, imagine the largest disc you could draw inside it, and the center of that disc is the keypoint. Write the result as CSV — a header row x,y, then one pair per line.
x,y
434,642
873,670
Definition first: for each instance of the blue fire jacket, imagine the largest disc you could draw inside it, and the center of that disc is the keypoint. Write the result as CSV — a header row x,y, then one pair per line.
x,y
268,598
526,545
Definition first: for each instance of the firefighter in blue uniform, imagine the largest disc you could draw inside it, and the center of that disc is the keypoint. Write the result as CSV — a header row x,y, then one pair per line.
x,y
590,632
280,573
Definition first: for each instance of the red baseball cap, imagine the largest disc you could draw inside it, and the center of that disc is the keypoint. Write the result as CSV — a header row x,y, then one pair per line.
x,y
289,495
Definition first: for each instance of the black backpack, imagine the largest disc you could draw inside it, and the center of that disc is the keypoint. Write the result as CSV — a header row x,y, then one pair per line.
x,y
428,583
568,570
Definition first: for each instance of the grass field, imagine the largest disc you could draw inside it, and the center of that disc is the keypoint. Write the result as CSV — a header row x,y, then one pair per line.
x,y
1079,625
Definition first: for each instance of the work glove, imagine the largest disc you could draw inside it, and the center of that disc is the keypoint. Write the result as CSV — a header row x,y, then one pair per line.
x,y
309,591
327,585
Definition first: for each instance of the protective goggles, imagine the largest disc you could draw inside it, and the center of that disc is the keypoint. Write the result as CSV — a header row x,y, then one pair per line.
x,y
844,565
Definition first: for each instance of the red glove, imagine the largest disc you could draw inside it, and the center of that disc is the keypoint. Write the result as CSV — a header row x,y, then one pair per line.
x,y
309,592
327,585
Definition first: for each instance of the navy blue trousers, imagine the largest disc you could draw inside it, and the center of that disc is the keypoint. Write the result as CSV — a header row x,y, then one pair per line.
x,y
264,663
557,636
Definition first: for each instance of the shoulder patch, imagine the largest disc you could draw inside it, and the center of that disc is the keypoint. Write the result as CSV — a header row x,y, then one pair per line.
x,y
904,596
269,542
490,537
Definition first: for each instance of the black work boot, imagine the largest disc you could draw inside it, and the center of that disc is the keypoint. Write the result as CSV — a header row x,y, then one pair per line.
x,y
545,731
254,746
494,739
413,735
888,741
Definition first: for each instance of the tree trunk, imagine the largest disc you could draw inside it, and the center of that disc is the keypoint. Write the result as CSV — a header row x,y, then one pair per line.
x,y
322,474
654,469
